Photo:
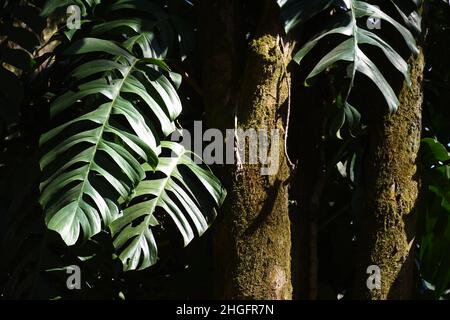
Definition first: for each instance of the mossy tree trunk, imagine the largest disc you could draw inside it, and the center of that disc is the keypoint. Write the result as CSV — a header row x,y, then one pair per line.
x,y
252,237
386,236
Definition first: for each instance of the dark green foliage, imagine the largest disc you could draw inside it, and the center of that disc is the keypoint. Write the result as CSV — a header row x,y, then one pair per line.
x,y
433,259
341,208
111,100
83,130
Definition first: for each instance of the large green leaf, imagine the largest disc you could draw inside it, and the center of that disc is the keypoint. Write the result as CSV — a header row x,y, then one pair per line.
x,y
125,101
172,190
350,50
73,195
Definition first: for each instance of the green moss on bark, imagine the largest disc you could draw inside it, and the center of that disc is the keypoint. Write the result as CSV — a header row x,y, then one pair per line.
x,y
252,241
258,205
392,185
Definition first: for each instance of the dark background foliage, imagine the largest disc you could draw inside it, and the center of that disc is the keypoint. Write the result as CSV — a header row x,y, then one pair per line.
x,y
33,260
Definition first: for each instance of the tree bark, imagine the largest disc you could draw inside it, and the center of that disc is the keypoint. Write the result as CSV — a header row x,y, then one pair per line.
x,y
252,237
386,236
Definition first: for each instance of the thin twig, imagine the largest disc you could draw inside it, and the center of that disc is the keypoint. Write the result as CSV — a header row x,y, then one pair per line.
x,y
288,117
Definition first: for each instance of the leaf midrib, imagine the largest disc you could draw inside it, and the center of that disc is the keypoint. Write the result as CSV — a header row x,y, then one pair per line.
x,y
161,190
94,152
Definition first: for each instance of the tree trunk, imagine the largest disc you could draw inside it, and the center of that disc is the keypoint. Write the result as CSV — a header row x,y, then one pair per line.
x,y
386,237
252,237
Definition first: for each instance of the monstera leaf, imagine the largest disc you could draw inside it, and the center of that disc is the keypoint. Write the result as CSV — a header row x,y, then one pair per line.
x,y
182,190
350,50
101,144
101,167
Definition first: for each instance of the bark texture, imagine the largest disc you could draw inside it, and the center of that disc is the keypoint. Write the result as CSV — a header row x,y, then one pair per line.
x,y
252,237
386,237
